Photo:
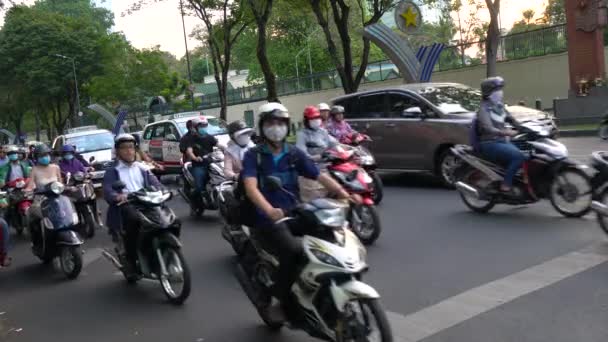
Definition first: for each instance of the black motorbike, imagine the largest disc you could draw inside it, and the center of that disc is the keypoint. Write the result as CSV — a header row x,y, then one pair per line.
x,y
83,195
54,234
215,177
548,173
159,250
599,161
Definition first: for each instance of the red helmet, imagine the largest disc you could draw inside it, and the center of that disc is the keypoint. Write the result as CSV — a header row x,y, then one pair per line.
x,y
311,113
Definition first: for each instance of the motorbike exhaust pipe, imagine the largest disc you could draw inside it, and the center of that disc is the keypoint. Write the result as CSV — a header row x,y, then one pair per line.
x,y
600,208
467,189
112,259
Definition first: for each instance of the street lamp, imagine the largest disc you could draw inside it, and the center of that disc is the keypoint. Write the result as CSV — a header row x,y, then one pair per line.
x,y
75,84
307,38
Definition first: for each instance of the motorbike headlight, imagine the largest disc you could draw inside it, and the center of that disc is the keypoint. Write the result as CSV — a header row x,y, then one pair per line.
x,y
331,217
155,197
57,188
367,159
79,176
20,184
325,258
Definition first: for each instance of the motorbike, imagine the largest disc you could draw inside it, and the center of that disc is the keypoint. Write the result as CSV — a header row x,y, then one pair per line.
x,y
599,182
331,302
603,129
83,195
19,204
209,200
548,173
366,159
159,250
54,234
363,218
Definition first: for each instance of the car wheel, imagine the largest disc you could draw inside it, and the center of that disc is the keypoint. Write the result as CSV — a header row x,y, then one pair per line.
x,y
447,163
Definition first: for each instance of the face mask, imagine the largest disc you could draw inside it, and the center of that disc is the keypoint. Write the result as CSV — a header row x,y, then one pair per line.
x,y
46,160
202,131
68,156
497,96
275,133
315,124
13,157
243,140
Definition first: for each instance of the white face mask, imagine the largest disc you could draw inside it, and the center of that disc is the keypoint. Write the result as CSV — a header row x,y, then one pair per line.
x,y
497,96
243,140
316,123
275,133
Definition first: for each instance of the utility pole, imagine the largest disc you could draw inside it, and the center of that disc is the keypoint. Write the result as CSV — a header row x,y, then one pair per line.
x,y
191,87
78,113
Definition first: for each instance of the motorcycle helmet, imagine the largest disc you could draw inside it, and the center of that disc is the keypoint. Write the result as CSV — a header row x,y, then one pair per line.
x,y
273,110
41,150
324,106
123,138
11,149
490,85
336,110
67,149
238,127
311,113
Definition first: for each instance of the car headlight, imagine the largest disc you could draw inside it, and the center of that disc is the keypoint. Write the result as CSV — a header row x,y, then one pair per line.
x,y
57,188
331,217
325,258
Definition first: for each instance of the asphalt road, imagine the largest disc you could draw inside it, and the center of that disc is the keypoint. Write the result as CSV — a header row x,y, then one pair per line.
x,y
445,274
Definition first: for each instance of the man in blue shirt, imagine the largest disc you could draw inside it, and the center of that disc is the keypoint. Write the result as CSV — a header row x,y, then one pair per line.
x,y
274,157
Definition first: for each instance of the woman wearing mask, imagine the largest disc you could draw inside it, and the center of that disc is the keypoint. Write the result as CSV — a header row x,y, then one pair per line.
x,y
240,142
44,172
337,126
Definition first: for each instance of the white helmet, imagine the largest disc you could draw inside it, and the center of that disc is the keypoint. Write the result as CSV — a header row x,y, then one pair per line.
x,y
323,106
11,149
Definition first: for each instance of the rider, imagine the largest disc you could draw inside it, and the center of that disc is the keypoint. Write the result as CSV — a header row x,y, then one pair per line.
x,y
324,109
123,218
183,142
4,237
69,162
274,157
313,139
240,142
15,169
3,158
198,146
337,126
493,133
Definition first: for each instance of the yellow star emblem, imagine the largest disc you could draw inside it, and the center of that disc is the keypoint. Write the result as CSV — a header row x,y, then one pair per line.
x,y
410,17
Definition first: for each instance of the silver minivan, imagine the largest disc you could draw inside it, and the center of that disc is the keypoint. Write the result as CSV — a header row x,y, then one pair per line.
x,y
413,126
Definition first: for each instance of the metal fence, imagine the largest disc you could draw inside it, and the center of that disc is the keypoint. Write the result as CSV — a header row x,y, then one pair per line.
x,y
539,42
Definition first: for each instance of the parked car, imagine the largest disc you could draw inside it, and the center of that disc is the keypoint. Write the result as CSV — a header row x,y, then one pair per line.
x,y
94,144
161,139
413,126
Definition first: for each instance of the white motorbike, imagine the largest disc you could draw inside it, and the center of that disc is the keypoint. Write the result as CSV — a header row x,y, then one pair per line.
x,y
215,178
333,303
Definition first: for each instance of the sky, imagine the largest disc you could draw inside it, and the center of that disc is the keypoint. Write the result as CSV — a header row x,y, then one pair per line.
x,y
160,23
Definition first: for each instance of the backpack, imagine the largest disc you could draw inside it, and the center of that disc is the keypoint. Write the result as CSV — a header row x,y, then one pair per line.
x,y
245,215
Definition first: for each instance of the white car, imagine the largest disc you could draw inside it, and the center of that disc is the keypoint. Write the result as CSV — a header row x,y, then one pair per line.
x,y
93,144
161,139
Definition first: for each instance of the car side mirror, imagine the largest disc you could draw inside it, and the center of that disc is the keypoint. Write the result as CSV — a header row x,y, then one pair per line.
x,y
171,137
118,186
273,183
411,112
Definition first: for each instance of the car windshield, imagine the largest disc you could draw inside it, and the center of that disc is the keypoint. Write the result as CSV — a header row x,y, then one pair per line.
x,y
216,126
453,99
92,142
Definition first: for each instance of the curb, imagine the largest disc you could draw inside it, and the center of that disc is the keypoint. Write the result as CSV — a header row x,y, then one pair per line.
x,y
578,133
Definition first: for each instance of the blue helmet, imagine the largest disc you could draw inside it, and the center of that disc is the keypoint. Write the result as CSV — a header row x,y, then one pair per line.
x,y
67,149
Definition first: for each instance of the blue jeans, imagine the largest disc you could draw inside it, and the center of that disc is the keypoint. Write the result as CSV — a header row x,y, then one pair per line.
x,y
505,154
4,237
200,177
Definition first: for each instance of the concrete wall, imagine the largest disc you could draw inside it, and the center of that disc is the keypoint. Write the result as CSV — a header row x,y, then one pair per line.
x,y
527,79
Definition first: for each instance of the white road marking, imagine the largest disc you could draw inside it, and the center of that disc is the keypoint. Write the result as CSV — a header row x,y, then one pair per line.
x,y
462,307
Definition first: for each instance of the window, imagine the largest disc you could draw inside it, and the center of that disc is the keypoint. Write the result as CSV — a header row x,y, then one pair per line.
x,y
92,142
159,132
371,106
456,99
148,133
350,107
171,130
397,103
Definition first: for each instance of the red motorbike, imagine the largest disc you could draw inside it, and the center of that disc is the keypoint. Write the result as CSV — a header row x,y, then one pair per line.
x,y
344,168
19,204
366,159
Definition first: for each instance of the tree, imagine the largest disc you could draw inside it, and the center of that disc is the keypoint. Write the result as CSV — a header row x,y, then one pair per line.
x,y
493,37
261,10
528,16
555,12
369,12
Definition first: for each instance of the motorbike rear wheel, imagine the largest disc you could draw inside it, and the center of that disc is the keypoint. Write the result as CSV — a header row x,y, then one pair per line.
x,y
601,219
356,324
90,223
478,180
365,223
378,188
568,198
178,273
70,259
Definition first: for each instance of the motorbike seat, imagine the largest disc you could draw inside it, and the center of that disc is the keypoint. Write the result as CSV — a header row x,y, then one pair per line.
x,y
599,160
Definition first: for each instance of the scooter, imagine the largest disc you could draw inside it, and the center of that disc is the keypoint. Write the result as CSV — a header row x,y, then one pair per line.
x,y
366,159
332,302
364,218
83,195
159,250
55,233
209,200
599,182
548,173
19,204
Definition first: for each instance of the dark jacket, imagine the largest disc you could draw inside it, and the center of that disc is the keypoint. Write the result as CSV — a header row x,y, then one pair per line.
x,y
113,219
491,120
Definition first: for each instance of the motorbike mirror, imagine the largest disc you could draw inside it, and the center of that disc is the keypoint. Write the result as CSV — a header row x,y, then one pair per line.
x,y
92,159
274,183
118,185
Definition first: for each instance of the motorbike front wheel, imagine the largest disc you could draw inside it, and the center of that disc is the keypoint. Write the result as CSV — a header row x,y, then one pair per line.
x,y
571,192
365,223
70,258
378,188
90,223
363,320
176,284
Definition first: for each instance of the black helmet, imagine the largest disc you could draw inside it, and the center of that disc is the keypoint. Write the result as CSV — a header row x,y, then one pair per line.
x,y
490,85
336,110
123,138
41,150
273,110
237,126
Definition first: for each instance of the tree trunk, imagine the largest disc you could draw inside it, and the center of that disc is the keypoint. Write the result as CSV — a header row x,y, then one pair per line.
x,y
493,37
261,19
37,118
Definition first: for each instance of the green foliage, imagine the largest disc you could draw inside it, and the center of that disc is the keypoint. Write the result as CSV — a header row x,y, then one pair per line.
x,y
555,12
